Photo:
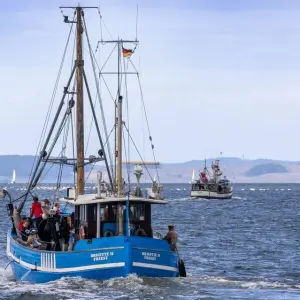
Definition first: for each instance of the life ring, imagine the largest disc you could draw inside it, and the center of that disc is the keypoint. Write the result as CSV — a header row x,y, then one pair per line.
x,y
82,234
140,232
108,233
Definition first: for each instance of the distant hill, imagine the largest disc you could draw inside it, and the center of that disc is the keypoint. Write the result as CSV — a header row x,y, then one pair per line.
x,y
236,169
266,169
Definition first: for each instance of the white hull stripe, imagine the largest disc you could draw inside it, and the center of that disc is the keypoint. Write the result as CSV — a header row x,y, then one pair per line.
x,y
63,270
153,266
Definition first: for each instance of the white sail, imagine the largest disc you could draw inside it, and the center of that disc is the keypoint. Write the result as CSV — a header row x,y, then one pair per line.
x,y
13,177
193,175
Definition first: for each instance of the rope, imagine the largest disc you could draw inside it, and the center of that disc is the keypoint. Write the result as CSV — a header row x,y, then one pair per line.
x,y
63,151
147,122
65,117
51,101
138,152
101,19
95,163
99,97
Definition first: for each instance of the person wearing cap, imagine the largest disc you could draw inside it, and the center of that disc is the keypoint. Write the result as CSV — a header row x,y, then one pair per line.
x,y
171,237
32,239
36,211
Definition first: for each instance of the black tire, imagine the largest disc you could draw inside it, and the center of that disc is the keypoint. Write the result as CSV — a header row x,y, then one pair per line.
x,y
108,233
140,232
181,267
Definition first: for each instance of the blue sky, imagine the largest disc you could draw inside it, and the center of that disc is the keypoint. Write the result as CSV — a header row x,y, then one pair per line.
x,y
216,75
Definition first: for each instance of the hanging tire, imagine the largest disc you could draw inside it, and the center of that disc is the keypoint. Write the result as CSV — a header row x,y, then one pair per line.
x,y
181,268
140,232
108,233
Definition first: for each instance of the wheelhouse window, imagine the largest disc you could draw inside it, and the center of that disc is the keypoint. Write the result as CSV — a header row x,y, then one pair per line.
x,y
104,212
137,212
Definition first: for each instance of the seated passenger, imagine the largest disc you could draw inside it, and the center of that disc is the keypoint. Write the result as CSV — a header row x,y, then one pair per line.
x,y
25,230
32,239
20,225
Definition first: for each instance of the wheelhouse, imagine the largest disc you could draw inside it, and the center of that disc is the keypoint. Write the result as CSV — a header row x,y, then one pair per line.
x,y
107,217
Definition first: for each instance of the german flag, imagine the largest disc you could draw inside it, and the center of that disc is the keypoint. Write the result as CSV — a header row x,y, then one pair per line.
x,y
126,52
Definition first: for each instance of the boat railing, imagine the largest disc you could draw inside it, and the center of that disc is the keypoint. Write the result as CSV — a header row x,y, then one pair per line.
x,y
157,235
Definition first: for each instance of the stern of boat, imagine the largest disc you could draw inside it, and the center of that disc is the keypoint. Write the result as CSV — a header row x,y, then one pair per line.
x,y
153,258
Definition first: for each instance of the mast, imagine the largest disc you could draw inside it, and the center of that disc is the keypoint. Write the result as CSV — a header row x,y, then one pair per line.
x,y
79,103
119,128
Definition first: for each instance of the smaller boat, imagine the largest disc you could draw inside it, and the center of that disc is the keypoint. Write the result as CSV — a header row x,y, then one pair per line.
x,y
214,187
13,180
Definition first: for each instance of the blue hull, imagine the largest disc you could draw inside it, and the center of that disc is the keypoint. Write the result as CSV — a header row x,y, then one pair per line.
x,y
99,259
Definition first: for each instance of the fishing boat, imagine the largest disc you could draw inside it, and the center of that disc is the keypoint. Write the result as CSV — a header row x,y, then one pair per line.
x,y
211,186
110,233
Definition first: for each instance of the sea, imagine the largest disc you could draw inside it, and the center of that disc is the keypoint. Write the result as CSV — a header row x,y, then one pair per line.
x,y
244,248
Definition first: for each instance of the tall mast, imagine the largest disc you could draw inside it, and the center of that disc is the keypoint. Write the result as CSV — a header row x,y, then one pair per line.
x,y
79,103
119,128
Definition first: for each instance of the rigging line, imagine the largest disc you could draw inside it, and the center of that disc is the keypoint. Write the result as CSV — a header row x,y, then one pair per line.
x,y
52,164
94,105
150,137
51,101
89,172
138,152
60,128
19,197
95,163
112,97
109,56
21,205
101,18
136,24
63,152
100,22
100,101
136,70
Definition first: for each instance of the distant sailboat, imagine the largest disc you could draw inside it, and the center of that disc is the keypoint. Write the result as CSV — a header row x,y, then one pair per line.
x,y
13,177
193,177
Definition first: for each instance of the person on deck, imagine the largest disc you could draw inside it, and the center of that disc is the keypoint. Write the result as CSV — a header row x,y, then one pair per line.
x,y
20,225
57,208
36,211
171,237
25,230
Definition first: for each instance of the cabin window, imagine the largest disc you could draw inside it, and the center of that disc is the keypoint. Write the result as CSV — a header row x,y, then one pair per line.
x,y
137,212
104,213
83,213
114,212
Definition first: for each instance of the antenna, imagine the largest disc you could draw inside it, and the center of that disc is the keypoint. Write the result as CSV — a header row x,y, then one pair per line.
x,y
136,24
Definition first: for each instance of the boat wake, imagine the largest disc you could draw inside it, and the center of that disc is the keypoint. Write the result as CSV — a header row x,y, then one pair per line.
x,y
130,287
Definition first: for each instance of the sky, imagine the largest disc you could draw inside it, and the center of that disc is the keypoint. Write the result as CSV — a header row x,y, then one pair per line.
x,y
217,76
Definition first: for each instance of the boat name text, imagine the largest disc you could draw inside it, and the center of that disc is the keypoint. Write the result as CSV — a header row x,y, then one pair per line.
x,y
150,256
101,256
